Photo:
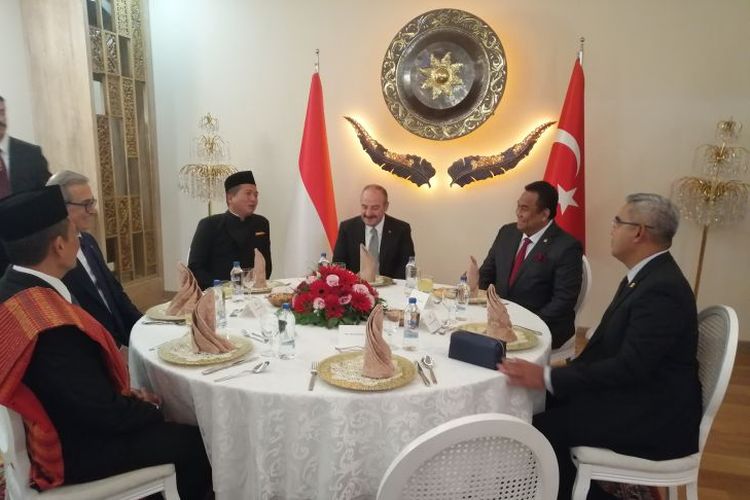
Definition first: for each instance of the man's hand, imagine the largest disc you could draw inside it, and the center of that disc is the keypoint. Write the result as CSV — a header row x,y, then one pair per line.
x,y
523,373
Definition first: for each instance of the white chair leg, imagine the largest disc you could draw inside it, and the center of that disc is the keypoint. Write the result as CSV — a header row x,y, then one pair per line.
x,y
170,488
582,483
673,493
691,491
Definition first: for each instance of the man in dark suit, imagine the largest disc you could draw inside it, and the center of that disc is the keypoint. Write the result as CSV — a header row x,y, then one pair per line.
x,y
222,239
537,264
91,282
61,370
634,388
386,238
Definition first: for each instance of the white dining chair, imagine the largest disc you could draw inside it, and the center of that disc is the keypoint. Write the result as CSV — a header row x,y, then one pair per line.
x,y
128,486
568,349
718,329
485,456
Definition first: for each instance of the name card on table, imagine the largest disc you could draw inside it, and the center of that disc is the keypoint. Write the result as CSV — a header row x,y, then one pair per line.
x,y
431,321
254,308
422,298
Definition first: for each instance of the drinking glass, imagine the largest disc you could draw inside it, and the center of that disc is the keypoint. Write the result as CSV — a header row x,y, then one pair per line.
x,y
247,278
269,330
424,284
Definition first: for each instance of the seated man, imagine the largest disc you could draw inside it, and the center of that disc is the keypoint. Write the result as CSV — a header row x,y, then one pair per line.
x,y
61,371
634,388
232,236
91,282
536,264
386,238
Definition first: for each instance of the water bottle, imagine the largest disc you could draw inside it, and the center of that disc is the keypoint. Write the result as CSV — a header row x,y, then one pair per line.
x,y
221,313
462,298
287,347
235,275
411,275
323,261
411,326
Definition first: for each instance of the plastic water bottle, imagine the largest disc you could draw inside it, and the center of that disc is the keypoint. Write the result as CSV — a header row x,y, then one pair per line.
x,y
221,312
323,261
462,298
287,346
411,326
411,275
235,275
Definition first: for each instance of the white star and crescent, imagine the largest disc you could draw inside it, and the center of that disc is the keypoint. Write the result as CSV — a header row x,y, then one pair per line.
x,y
565,197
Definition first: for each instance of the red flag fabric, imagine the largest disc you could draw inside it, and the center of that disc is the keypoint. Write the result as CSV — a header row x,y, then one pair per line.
x,y
315,164
565,167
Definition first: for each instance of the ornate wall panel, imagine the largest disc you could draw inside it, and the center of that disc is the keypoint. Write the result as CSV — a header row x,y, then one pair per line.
x,y
122,13
111,53
136,18
97,50
128,102
114,96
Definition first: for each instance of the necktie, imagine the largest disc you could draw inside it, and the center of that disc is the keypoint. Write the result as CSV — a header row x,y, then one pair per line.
x,y
518,261
374,247
621,288
4,180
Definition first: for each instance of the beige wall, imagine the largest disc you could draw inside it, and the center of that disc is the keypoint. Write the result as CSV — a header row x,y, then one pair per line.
x,y
14,79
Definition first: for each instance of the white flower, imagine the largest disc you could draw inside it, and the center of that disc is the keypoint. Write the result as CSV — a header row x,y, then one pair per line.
x,y
360,288
311,279
332,280
318,303
345,299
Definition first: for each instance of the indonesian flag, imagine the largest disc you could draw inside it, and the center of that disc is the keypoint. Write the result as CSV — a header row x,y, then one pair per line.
x,y
313,227
565,167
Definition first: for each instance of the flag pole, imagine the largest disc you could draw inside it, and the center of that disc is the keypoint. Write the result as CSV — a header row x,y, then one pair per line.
x,y
317,60
580,50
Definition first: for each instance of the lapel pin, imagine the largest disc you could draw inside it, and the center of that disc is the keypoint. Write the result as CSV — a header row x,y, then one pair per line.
x,y
631,285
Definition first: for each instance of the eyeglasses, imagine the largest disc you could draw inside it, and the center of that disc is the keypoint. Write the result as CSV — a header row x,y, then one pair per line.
x,y
617,221
88,205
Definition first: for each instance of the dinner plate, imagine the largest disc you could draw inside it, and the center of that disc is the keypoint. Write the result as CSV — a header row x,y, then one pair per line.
x,y
527,338
159,313
481,297
180,352
381,281
345,370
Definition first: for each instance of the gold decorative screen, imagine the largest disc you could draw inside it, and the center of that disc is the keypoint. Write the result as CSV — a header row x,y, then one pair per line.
x,y
126,171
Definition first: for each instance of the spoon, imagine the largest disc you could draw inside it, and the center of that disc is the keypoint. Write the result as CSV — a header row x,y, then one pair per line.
x,y
256,369
429,363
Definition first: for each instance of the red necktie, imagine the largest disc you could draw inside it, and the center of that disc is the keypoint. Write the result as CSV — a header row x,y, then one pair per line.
x,y
519,260
4,181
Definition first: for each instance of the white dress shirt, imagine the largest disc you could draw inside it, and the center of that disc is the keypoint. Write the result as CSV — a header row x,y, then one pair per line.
x,y
534,239
56,283
5,153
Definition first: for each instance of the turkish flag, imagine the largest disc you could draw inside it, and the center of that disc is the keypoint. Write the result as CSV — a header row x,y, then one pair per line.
x,y
565,167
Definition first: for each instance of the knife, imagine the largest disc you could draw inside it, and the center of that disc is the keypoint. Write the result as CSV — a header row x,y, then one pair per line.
x,y
421,374
215,369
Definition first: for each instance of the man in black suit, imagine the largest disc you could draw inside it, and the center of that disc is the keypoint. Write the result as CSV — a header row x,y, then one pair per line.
x,y
62,371
634,388
222,239
537,264
386,238
91,282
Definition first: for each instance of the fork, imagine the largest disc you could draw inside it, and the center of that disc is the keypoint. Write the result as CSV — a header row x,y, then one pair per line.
x,y
313,375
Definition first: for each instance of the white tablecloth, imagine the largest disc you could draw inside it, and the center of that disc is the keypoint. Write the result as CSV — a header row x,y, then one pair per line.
x,y
268,437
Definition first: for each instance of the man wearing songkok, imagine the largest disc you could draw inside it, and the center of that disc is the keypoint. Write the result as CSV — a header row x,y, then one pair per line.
x,y
91,282
634,389
61,371
536,264
222,239
387,239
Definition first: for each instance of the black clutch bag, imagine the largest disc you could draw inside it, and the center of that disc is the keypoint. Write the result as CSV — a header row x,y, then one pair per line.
x,y
476,349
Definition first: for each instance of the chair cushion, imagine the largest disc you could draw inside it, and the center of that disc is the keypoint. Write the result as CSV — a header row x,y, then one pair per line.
x,y
608,458
111,486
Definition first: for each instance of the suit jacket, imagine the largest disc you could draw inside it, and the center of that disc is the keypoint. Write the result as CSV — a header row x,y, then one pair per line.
x,y
636,383
396,245
221,239
548,282
121,314
28,166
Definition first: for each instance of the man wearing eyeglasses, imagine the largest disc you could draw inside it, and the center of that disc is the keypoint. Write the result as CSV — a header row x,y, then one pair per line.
x,y
634,389
91,282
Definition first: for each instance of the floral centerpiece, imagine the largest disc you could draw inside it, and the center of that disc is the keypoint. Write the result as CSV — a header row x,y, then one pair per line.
x,y
333,296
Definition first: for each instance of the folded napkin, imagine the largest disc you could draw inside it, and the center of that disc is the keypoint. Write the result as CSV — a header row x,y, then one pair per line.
x,y
498,322
203,328
187,296
367,264
472,277
377,354
259,270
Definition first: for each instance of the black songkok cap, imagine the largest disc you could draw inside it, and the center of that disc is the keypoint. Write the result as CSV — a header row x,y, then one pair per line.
x,y
237,178
24,214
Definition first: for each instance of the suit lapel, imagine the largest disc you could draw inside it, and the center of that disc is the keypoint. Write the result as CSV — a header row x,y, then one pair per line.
x,y
386,242
539,249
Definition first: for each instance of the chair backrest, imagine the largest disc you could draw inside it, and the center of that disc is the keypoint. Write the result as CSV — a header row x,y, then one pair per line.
x,y
481,456
585,285
718,331
15,458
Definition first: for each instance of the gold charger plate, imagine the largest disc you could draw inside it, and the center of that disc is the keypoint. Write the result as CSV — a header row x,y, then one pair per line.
x,y
159,313
481,298
345,370
270,284
179,352
527,338
381,281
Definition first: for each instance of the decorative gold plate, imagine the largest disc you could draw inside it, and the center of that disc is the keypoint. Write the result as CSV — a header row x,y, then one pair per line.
x,y
159,313
179,352
345,370
270,284
480,299
527,338
381,281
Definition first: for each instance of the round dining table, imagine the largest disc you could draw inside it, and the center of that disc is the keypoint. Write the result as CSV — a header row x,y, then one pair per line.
x,y
269,437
